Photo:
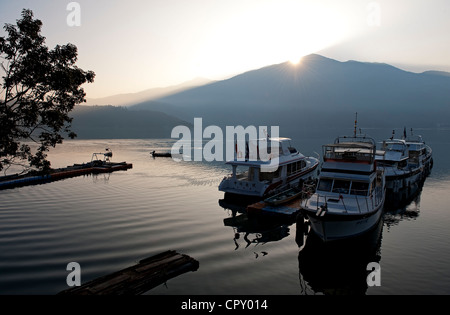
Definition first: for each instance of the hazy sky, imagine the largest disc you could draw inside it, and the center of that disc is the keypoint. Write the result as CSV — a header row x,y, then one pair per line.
x,y
135,45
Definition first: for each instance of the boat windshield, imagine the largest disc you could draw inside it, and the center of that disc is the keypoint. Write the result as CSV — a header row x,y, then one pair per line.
x,y
359,188
343,186
325,184
395,147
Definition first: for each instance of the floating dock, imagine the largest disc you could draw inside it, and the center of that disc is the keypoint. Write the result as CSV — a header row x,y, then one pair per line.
x,y
34,177
138,279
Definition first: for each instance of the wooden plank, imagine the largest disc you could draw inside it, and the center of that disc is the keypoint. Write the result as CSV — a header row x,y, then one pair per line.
x,y
140,278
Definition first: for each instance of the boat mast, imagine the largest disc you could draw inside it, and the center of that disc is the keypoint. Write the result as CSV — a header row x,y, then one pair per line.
x,y
356,124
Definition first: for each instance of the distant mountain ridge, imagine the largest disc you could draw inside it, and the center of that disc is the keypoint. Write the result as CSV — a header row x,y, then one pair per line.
x,y
128,99
317,91
113,122
435,72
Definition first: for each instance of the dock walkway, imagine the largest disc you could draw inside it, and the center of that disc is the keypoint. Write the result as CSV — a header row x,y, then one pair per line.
x,y
33,177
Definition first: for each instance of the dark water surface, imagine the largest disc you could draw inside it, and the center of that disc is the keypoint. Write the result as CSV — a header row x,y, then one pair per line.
x,y
108,222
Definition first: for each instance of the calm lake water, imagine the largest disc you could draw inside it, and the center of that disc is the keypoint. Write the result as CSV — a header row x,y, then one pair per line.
x,y
111,221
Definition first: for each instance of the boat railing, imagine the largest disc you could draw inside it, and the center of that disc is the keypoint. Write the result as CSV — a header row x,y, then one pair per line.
x,y
348,155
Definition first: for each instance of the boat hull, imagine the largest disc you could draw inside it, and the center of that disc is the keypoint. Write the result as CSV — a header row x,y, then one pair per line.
x,y
400,184
332,227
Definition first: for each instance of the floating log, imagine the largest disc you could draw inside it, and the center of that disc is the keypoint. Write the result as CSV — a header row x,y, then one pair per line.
x,y
147,274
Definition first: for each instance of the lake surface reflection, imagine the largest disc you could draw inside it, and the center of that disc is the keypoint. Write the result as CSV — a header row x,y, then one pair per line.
x,y
107,222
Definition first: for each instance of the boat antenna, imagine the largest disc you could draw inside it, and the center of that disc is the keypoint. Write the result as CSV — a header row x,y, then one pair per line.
x,y
356,124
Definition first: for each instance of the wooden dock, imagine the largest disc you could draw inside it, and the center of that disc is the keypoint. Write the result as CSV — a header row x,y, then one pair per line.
x,y
33,178
147,274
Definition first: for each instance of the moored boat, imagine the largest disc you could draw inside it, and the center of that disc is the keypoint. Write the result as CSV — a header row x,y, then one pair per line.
x,y
419,153
249,180
350,194
406,163
161,154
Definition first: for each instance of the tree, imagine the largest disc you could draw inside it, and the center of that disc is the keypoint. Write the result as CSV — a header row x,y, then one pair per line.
x,y
39,89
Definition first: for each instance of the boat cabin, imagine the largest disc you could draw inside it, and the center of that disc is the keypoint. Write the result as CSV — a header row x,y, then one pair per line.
x,y
393,152
416,149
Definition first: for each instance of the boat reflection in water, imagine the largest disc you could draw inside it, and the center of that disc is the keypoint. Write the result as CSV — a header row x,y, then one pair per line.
x,y
255,229
338,268
409,209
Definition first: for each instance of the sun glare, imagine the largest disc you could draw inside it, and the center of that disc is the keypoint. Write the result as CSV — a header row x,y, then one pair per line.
x,y
295,61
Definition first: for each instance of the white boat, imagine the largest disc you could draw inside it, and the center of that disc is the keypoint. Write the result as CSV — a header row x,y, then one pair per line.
x,y
248,180
350,194
406,162
419,153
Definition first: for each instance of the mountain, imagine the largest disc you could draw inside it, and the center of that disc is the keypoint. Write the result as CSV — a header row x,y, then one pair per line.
x,y
318,92
112,122
442,73
146,95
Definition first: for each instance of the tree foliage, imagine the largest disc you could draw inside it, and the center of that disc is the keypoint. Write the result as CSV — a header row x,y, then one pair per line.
x,y
40,87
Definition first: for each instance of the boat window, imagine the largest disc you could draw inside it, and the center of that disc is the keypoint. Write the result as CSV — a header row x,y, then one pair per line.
x,y
341,186
241,172
301,165
269,176
295,167
396,147
325,184
289,169
359,188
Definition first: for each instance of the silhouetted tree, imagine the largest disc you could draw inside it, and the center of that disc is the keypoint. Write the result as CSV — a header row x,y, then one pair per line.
x,y
39,89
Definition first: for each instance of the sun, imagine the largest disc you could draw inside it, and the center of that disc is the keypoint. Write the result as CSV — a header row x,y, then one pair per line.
x,y
295,61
